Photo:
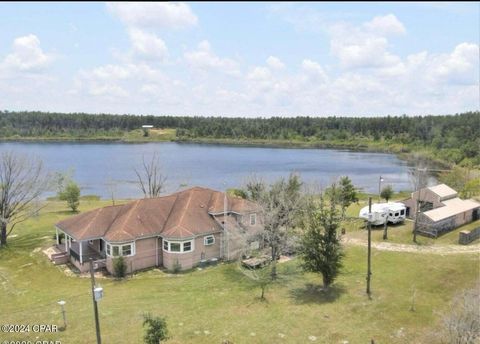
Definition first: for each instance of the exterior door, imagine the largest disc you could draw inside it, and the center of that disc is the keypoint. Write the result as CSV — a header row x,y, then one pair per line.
x,y
475,214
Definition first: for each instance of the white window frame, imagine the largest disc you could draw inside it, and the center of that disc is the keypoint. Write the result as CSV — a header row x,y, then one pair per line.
x,y
254,218
205,240
109,249
182,244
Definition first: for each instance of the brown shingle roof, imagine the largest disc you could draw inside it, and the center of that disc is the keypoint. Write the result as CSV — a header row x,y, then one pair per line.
x,y
181,215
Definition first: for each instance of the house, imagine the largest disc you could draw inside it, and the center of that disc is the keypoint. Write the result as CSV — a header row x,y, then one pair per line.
x,y
440,209
180,230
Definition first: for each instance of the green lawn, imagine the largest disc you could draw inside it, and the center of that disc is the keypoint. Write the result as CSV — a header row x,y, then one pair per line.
x,y
218,303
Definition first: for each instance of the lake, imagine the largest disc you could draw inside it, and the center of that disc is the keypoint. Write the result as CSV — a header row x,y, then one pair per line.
x,y
95,165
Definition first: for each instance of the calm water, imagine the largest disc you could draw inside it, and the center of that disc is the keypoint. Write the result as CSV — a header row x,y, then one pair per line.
x,y
214,166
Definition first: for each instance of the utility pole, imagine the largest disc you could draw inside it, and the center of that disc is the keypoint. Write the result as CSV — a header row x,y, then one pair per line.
x,y
415,224
380,180
369,270
95,309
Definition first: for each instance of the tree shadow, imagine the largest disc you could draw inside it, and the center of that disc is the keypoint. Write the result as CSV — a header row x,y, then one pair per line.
x,y
314,293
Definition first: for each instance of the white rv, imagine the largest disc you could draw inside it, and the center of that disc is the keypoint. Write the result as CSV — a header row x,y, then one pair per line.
x,y
392,212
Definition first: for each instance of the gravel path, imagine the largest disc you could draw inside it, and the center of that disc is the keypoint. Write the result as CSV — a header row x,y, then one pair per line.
x,y
435,249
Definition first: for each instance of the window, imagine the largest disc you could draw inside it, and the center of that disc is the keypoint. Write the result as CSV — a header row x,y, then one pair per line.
x,y
125,250
209,240
396,214
402,212
253,219
175,247
178,246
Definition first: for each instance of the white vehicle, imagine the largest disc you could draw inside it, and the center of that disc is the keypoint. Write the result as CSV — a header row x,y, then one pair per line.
x,y
392,212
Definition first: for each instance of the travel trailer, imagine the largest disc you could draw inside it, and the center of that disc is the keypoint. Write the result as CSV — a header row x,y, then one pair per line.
x,y
392,212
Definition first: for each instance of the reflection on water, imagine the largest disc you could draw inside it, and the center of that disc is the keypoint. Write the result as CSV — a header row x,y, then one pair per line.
x,y
214,166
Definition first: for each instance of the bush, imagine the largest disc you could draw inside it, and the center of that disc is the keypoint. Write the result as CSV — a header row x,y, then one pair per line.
x,y
119,267
156,329
71,194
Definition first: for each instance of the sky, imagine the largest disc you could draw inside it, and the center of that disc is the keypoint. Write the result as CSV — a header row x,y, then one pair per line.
x,y
241,59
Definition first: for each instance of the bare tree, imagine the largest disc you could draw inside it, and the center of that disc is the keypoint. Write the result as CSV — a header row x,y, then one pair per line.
x,y
150,178
280,203
22,181
419,180
462,323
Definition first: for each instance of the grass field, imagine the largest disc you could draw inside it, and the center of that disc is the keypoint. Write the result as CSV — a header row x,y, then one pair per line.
x,y
218,303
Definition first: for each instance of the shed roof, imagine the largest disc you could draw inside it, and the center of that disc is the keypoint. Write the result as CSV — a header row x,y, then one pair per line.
x,y
443,191
451,208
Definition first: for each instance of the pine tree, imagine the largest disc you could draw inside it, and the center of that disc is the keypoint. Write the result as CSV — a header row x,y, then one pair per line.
x,y
320,245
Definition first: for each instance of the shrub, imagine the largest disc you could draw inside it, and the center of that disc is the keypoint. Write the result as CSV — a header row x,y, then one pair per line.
x,y
156,329
119,267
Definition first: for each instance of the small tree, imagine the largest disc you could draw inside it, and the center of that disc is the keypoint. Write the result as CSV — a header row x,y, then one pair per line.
x,y
260,276
387,193
155,329
119,267
346,194
320,246
71,194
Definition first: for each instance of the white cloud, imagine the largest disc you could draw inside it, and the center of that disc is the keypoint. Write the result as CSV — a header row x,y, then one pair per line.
x,y
147,45
364,76
313,69
204,59
154,14
26,56
275,63
359,48
385,25
461,66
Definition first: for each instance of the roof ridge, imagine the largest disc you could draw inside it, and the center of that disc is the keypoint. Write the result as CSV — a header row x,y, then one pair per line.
x,y
113,220
98,211
210,201
170,212
116,216
130,214
185,208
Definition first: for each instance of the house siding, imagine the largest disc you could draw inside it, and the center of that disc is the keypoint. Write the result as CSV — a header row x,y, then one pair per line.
x,y
145,256
426,195
192,259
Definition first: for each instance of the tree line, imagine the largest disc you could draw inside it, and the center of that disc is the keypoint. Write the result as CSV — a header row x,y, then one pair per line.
x,y
455,137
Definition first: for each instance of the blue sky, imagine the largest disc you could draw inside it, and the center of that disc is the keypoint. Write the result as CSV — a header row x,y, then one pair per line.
x,y
240,59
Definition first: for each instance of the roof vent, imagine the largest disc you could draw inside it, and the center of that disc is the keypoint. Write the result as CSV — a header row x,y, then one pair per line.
x,y
202,205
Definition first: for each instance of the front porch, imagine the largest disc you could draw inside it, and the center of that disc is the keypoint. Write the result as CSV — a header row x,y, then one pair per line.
x,y
79,253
